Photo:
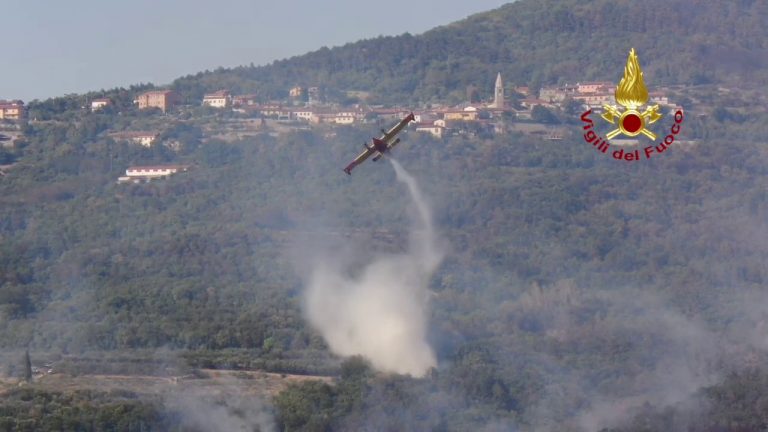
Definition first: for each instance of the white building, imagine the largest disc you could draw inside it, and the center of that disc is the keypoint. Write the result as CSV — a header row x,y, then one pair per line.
x,y
140,174
305,115
98,104
219,99
344,118
436,128
143,138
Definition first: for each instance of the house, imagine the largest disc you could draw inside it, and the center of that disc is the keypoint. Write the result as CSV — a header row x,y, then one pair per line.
x,y
606,96
556,94
242,100
596,100
389,114
348,117
144,138
163,99
100,103
142,174
424,117
11,110
344,118
529,103
296,92
469,113
272,110
322,117
303,114
594,87
523,90
436,129
219,99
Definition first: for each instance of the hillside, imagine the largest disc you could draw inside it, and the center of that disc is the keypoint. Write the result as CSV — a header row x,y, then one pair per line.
x,y
570,278
577,292
530,42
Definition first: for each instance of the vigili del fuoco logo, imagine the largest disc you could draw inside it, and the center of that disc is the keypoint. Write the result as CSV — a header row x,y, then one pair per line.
x,y
632,120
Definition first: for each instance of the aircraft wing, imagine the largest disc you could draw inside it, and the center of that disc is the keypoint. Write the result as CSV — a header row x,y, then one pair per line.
x,y
359,159
388,135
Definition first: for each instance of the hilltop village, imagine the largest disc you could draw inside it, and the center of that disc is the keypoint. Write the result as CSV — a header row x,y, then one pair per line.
x,y
517,109
307,106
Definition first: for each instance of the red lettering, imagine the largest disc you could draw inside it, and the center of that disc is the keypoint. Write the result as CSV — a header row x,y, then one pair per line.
x,y
675,131
629,156
618,154
669,139
648,150
590,136
678,112
585,117
661,150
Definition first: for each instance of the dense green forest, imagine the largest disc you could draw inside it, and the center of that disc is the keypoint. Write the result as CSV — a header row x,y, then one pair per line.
x,y
530,43
577,293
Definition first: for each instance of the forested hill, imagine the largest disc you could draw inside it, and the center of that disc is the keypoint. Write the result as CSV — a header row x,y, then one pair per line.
x,y
530,42
577,292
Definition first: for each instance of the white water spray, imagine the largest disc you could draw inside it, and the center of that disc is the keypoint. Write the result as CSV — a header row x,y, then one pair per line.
x,y
382,313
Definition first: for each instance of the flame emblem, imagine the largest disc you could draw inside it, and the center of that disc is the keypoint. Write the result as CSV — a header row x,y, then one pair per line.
x,y
631,93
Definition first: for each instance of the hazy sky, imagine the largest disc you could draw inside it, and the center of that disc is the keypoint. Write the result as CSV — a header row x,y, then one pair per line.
x,y
53,47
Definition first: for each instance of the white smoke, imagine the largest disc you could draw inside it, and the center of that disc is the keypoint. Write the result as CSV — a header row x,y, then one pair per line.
x,y
381,313
230,410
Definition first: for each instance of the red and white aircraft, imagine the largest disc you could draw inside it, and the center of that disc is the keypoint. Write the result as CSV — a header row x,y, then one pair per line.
x,y
380,145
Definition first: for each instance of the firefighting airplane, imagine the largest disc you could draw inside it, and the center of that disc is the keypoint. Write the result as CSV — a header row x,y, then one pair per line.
x,y
380,145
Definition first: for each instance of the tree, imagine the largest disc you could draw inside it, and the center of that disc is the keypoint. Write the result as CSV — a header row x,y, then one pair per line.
x,y
27,367
6,156
306,406
540,114
573,108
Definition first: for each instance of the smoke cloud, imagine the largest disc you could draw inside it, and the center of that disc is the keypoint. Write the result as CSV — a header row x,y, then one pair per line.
x,y
380,311
231,409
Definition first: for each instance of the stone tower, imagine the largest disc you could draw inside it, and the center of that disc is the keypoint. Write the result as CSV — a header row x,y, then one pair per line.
x,y
498,94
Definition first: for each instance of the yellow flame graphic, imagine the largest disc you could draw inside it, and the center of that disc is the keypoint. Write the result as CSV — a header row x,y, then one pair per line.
x,y
631,91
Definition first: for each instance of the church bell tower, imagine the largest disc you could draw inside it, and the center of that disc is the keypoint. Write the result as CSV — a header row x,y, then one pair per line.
x,y
498,94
